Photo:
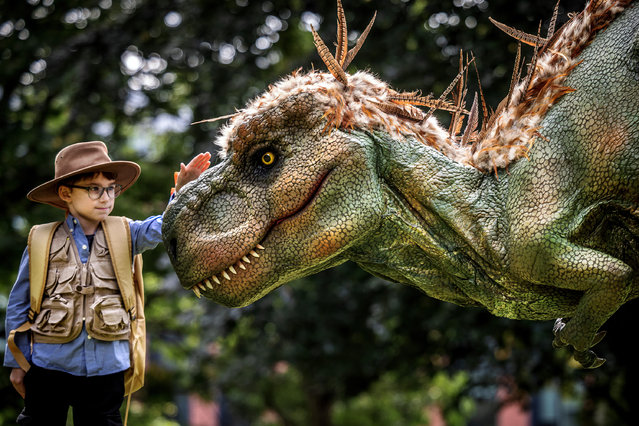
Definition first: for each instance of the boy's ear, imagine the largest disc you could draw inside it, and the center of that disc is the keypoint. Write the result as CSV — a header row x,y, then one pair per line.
x,y
64,192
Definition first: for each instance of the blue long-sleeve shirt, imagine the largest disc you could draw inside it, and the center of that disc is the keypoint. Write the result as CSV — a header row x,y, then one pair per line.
x,y
82,356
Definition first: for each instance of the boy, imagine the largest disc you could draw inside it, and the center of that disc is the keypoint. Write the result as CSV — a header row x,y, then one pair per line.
x,y
80,346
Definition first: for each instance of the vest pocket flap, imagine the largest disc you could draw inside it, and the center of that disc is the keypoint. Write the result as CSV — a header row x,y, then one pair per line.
x,y
114,317
55,318
100,246
109,316
66,274
59,251
103,270
104,276
61,280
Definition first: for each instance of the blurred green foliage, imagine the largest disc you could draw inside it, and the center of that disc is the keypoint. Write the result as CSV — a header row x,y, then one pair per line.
x,y
340,347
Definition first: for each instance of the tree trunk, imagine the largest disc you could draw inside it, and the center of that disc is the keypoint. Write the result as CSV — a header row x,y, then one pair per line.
x,y
320,408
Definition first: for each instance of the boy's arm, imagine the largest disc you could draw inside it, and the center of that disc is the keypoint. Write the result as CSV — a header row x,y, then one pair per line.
x,y
18,312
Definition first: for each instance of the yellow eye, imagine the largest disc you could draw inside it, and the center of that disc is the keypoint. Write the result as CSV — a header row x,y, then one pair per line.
x,y
268,158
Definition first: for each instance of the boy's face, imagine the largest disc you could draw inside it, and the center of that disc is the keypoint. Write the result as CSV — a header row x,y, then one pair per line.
x,y
89,212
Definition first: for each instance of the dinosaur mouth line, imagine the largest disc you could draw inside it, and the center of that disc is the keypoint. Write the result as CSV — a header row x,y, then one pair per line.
x,y
227,273
304,205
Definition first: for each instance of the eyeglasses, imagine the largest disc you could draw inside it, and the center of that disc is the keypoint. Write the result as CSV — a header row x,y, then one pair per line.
x,y
95,192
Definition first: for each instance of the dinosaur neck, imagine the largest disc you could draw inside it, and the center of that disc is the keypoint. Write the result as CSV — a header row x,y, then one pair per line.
x,y
453,199
442,221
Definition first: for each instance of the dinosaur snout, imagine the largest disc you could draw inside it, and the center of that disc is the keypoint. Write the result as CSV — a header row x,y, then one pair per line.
x,y
202,233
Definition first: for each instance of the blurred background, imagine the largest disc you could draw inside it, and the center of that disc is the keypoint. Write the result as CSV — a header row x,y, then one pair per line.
x,y
338,348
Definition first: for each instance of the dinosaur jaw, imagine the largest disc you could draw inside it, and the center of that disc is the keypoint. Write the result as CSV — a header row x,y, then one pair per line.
x,y
273,261
237,272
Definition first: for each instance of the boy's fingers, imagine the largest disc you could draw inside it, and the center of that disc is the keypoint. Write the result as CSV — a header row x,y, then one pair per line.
x,y
200,159
203,166
204,160
198,164
194,163
207,158
203,157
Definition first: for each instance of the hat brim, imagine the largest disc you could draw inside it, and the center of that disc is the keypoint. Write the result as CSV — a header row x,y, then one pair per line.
x,y
127,172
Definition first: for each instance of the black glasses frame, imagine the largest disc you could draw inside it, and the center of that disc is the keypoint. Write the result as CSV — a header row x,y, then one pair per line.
x,y
95,192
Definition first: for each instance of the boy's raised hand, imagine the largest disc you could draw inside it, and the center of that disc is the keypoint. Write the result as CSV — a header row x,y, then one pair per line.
x,y
193,170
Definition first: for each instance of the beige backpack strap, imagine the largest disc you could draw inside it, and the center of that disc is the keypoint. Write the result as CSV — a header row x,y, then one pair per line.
x,y
138,282
118,237
38,246
118,234
15,350
134,377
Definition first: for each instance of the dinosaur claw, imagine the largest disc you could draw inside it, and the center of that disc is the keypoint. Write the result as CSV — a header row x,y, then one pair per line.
x,y
556,329
598,362
557,343
588,359
598,338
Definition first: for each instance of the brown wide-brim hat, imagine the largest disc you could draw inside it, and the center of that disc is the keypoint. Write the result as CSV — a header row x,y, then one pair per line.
x,y
79,158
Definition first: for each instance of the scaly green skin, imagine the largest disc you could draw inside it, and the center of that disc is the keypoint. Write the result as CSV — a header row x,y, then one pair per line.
x,y
557,236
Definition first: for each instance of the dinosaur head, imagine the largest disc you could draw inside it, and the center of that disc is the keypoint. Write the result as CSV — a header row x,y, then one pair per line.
x,y
298,183
289,196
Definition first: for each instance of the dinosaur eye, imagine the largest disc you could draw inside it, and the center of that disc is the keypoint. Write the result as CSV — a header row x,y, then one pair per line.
x,y
268,158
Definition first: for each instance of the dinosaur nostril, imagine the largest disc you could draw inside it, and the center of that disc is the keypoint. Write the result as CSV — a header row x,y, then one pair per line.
x,y
172,249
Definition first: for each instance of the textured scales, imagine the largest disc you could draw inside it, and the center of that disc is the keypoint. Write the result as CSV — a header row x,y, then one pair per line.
x,y
318,171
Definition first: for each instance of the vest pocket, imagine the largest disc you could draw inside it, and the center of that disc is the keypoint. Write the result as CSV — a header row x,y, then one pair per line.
x,y
100,246
59,251
110,319
55,318
61,280
104,276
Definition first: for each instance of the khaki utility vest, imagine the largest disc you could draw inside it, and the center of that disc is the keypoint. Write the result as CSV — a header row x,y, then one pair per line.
x,y
77,293
121,281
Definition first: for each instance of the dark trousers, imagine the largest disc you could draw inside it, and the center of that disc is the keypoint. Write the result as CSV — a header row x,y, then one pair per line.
x,y
95,400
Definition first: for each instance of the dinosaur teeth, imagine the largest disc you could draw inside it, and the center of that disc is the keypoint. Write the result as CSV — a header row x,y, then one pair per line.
x,y
197,292
201,286
230,269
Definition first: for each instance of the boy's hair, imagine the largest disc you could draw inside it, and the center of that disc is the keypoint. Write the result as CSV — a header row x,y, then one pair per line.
x,y
76,178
